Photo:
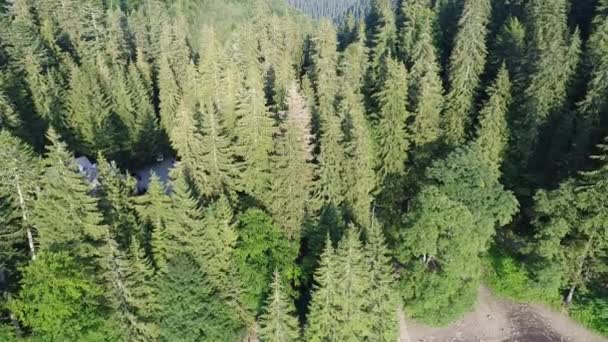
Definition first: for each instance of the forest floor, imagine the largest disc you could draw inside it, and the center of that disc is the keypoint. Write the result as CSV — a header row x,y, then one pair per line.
x,y
500,320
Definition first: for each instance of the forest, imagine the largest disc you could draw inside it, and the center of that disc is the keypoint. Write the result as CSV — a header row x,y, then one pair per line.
x,y
336,162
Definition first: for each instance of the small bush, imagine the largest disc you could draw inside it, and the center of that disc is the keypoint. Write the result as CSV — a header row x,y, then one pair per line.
x,y
592,312
508,277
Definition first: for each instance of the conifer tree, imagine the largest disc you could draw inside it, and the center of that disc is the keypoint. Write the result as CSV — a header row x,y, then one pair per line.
x,y
322,315
9,119
213,154
65,214
384,36
426,90
90,113
331,157
169,89
190,309
294,171
217,240
571,235
154,209
19,175
382,296
467,63
510,49
12,253
594,106
277,323
146,138
129,291
254,131
353,287
392,133
115,203
493,131
553,57
359,144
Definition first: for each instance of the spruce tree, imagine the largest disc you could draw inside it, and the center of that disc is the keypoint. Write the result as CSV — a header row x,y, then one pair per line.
x,y
127,277
552,58
217,239
254,130
392,134
115,191
12,253
190,308
382,296
278,323
467,63
570,231
331,156
493,131
353,287
154,209
359,144
294,171
19,176
383,37
90,113
593,108
65,214
425,90
322,312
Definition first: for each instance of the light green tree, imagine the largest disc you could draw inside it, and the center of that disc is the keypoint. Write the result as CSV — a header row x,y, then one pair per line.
x,y
493,132
278,323
467,63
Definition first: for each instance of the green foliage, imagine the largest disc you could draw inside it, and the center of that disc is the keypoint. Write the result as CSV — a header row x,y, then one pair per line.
x,y
382,296
392,135
190,308
359,144
591,311
493,132
294,172
466,66
331,156
450,224
261,248
570,231
322,321
58,301
552,61
510,278
426,89
277,323
65,214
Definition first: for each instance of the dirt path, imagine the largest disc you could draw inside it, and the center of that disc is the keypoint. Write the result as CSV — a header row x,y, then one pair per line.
x,y
498,320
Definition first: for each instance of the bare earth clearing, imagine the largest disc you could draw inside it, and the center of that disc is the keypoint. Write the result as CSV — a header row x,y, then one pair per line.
x,y
499,320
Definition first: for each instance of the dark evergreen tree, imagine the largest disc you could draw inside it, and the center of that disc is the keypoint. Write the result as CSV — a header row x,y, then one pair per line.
x,y
190,308
65,214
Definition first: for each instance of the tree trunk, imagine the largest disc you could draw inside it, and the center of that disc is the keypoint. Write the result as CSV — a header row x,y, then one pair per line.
x,y
579,271
570,295
30,237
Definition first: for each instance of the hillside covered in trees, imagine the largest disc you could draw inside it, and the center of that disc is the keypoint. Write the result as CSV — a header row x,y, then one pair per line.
x,y
325,176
